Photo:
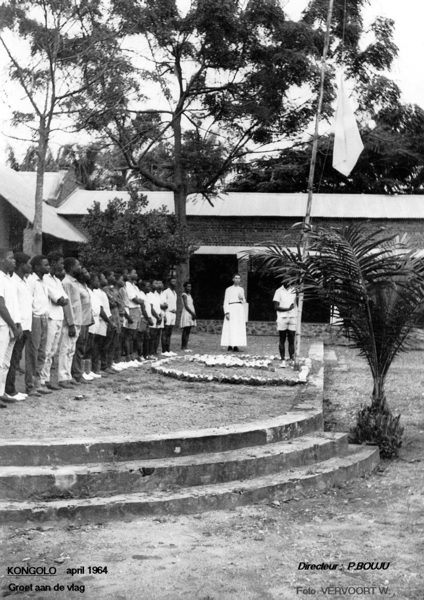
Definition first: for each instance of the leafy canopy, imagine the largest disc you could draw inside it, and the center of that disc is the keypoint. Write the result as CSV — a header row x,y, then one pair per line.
x,y
391,162
126,235
374,281
221,80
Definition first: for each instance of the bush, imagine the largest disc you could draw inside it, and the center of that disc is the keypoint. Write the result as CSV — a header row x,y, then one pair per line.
x,y
380,428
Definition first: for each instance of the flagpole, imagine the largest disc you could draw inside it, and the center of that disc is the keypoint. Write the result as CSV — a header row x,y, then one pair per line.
x,y
307,218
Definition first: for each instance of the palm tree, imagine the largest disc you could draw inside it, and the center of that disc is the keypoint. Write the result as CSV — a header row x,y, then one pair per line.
x,y
377,285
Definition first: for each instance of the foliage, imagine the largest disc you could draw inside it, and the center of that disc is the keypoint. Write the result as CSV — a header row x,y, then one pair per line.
x,y
378,427
229,76
376,283
95,167
126,235
63,49
391,162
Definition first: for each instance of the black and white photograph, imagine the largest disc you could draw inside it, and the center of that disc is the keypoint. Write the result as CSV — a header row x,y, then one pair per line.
x,y
211,299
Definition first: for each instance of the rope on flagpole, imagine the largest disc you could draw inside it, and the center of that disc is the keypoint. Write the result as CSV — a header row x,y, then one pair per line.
x,y
307,219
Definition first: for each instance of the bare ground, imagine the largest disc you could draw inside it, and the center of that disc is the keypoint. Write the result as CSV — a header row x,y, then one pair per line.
x,y
137,402
254,552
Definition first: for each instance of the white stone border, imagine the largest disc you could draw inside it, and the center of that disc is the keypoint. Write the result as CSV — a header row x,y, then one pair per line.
x,y
244,360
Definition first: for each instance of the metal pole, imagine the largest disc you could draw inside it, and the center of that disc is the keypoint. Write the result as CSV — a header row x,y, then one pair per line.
x,y
307,218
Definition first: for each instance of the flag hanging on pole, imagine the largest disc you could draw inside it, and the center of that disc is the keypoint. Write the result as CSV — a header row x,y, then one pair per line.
x,y
347,141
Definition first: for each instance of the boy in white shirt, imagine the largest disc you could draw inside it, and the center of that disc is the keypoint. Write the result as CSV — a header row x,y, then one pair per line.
x,y
10,320
286,307
21,271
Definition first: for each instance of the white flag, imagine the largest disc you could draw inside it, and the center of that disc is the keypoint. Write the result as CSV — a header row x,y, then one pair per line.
x,y
347,141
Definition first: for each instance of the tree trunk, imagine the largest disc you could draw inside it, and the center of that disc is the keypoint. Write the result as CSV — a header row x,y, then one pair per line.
x,y
182,270
378,398
37,227
180,204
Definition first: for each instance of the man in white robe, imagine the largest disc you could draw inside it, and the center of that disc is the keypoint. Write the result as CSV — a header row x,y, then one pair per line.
x,y
234,327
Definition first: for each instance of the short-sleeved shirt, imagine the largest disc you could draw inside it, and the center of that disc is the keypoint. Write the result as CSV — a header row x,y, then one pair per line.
x,y
170,297
10,295
147,304
285,297
133,292
104,302
40,295
95,312
154,300
55,291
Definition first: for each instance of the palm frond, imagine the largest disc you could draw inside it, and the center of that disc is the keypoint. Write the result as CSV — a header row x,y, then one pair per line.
x,y
371,277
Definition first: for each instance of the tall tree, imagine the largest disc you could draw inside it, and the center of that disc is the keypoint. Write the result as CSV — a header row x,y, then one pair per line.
x,y
57,49
222,80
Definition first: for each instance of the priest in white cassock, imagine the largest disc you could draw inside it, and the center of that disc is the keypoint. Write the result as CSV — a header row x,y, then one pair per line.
x,y
234,327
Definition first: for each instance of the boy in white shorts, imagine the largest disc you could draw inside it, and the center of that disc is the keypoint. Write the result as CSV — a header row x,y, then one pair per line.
x,y
285,305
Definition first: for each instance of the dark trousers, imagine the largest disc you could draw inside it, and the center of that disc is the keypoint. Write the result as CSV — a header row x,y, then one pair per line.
x,y
117,356
18,349
154,340
166,338
143,343
290,335
185,334
112,340
80,352
98,343
128,342
35,352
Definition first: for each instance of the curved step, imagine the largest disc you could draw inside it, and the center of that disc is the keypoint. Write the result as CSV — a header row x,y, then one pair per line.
x,y
201,498
47,483
29,452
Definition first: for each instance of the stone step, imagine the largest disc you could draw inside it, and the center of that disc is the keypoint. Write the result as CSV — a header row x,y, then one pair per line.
x,y
281,486
330,357
307,418
46,483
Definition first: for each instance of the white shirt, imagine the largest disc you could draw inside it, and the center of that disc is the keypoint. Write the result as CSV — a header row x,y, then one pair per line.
x,y
170,297
285,298
146,304
104,301
9,293
162,300
95,311
25,302
40,297
154,300
55,291
133,292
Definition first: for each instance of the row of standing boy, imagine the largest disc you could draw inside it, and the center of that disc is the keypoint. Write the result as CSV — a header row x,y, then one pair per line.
x,y
51,306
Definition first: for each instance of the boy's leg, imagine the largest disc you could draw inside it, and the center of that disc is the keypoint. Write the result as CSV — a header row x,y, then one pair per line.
x,y
291,336
282,343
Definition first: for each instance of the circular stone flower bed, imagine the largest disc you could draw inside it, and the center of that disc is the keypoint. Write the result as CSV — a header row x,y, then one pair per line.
x,y
243,369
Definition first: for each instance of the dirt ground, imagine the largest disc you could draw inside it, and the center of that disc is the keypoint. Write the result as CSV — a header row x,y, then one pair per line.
x,y
255,552
137,402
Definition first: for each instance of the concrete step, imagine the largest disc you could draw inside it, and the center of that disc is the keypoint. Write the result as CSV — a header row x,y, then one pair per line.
x,y
46,483
330,357
281,486
306,419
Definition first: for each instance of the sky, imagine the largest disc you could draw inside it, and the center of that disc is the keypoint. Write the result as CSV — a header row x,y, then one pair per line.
x,y
408,16
407,71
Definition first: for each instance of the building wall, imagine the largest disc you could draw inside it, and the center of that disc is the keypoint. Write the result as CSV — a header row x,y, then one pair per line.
x,y
237,231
